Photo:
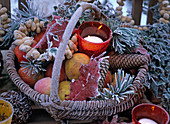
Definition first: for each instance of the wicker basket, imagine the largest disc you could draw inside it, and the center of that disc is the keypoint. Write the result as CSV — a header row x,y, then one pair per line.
x,y
83,110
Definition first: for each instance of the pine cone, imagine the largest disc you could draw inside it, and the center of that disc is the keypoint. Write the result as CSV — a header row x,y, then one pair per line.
x,y
127,61
21,105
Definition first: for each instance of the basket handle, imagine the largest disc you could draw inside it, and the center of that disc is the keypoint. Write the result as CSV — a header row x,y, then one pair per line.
x,y
62,47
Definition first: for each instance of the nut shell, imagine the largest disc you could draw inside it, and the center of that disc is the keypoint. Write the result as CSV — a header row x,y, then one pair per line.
x,y
4,17
3,10
166,16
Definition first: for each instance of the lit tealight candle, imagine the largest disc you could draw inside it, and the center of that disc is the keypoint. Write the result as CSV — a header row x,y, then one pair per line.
x,y
147,121
93,39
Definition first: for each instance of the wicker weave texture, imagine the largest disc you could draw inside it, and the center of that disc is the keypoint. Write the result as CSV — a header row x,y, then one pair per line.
x,y
81,110
86,110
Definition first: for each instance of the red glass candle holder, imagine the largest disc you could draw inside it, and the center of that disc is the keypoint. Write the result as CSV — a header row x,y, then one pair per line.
x,y
150,111
93,29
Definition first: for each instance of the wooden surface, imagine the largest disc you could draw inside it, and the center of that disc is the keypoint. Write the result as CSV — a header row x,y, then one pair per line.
x,y
150,20
40,116
6,3
137,10
20,5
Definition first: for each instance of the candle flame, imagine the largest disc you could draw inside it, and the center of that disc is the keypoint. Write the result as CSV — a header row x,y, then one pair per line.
x,y
88,35
153,107
99,27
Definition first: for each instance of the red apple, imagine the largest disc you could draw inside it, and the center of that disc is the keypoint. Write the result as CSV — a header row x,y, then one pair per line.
x,y
43,85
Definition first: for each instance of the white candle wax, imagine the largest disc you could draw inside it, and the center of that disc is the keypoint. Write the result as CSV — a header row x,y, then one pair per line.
x,y
147,121
93,39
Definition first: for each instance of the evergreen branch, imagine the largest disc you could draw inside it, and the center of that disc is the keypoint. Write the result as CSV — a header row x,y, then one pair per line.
x,y
125,38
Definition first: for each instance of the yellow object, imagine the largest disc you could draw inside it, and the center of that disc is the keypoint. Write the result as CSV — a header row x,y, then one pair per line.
x,y
73,65
64,90
6,112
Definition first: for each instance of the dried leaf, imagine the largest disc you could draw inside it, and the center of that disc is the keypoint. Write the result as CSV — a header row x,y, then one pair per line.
x,y
55,34
141,50
87,84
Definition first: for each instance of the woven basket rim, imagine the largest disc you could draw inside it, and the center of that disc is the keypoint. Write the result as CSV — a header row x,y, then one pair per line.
x,y
11,66
82,110
68,109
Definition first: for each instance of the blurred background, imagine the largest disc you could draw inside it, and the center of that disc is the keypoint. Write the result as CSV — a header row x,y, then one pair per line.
x,y
126,8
